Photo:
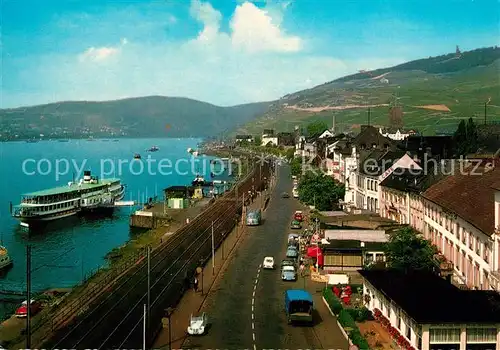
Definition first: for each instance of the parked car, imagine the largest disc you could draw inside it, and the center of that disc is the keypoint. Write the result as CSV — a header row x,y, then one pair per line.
x,y
285,195
197,325
22,311
288,273
296,225
292,253
298,216
287,262
268,262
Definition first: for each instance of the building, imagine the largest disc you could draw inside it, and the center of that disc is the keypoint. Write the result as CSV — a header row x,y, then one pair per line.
x,y
429,313
373,168
351,255
400,194
269,138
396,134
244,138
178,197
286,139
434,147
459,218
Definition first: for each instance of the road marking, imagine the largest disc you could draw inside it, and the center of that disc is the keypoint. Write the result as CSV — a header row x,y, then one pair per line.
x,y
253,305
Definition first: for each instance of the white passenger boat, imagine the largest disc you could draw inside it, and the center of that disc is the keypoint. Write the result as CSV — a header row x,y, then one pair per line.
x,y
88,194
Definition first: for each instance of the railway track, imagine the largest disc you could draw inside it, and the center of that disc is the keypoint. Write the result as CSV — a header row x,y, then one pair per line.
x,y
115,319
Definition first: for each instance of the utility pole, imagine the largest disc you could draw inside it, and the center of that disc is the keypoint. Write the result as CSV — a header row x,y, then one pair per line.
x,y
28,295
213,251
485,107
144,329
149,289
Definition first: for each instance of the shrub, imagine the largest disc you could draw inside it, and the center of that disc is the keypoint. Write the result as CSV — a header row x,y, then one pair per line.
x,y
347,318
332,300
364,315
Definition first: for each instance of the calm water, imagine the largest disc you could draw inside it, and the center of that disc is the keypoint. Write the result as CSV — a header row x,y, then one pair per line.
x,y
63,254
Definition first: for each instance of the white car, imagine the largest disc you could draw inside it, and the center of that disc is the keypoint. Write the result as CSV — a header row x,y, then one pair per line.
x,y
268,262
197,325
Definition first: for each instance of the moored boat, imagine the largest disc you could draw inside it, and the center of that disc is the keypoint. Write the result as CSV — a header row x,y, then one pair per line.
x,y
153,149
90,193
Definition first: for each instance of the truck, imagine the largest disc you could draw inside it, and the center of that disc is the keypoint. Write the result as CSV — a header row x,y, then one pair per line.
x,y
299,306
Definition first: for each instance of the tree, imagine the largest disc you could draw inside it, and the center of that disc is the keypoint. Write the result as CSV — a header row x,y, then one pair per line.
x,y
407,251
296,166
466,137
320,190
289,154
257,140
317,127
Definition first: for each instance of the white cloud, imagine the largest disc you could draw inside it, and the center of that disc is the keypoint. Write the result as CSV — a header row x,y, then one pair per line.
x,y
98,54
254,30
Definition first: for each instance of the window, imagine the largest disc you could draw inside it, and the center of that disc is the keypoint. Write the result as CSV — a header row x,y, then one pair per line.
x,y
444,335
408,332
398,322
481,335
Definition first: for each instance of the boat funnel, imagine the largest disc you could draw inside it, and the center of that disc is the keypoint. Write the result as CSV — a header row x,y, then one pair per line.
x,y
86,176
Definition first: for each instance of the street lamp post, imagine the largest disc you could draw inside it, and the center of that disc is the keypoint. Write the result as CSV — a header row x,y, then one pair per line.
x,y
168,315
223,243
201,272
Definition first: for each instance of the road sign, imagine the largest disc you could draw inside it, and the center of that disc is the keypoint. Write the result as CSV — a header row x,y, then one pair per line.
x,y
164,321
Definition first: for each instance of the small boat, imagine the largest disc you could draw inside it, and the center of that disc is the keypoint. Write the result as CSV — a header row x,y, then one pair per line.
x,y
115,140
32,141
5,260
137,156
63,140
153,149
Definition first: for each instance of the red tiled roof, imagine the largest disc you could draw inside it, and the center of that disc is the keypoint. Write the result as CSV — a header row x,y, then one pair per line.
x,y
470,196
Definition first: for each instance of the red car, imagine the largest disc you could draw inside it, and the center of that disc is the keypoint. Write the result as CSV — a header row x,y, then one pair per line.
x,y
298,216
22,311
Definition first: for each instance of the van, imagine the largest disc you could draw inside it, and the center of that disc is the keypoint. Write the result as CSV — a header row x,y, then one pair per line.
x,y
254,217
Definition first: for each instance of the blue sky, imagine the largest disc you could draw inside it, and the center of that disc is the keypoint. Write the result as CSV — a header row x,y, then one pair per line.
x,y
224,52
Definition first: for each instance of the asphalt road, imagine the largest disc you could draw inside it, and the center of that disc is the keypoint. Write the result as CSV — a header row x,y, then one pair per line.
x,y
248,309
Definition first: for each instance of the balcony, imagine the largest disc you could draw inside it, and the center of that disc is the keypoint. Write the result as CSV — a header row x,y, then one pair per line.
x,y
444,265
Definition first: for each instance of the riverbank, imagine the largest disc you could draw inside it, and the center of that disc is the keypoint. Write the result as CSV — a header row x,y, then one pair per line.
x,y
120,260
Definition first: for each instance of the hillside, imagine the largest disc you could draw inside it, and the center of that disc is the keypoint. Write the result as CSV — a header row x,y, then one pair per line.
x,y
435,94
153,116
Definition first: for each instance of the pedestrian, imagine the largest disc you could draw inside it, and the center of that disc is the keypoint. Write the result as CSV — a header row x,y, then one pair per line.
x,y
196,284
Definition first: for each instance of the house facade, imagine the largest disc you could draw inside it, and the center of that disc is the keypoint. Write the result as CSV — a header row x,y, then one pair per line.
x,y
269,138
244,138
448,318
458,214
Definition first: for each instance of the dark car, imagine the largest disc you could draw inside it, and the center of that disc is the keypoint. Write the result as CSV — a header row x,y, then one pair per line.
x,y
285,195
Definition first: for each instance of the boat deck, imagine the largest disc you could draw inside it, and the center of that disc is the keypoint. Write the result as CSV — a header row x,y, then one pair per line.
x,y
72,188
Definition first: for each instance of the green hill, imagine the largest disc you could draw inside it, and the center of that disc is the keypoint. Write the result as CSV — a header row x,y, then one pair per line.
x,y
153,116
435,94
